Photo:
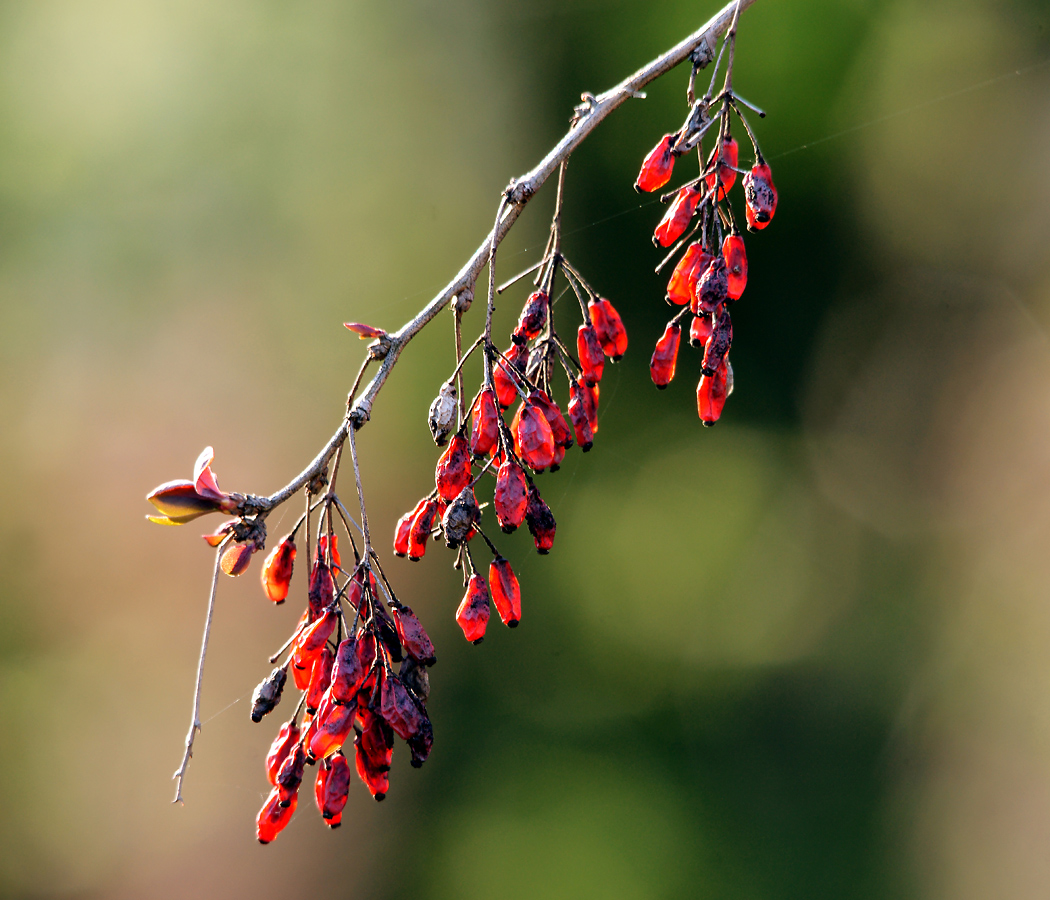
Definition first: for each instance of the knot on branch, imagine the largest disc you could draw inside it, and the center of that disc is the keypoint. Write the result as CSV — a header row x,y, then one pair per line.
x,y
462,299
359,414
584,109
380,347
702,55
519,192
251,504
319,482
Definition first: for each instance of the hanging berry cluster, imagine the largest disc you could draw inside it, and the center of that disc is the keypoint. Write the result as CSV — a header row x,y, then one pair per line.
x,y
711,273
536,439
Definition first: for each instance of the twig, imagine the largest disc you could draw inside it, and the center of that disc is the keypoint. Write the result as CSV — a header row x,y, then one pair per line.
x,y
195,723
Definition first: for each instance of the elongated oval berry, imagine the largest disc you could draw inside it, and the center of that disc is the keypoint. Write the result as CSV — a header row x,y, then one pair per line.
x,y
712,288
302,668
337,786
592,357
718,344
657,166
678,216
290,775
484,432
414,637
375,752
282,745
442,417
398,708
559,427
277,570
322,588
728,157
267,693
578,415
314,636
460,517
760,196
711,396
473,613
419,533
511,496
331,558
665,356
541,522
404,526
736,265
590,393
700,329
353,660
273,817
505,592
331,730
682,286
320,678
236,557
319,783
533,318
609,327
421,743
506,379
534,436
453,469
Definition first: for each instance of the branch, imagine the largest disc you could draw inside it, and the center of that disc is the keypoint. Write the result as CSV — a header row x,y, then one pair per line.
x,y
699,47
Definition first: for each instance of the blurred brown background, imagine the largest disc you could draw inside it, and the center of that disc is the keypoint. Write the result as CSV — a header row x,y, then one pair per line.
x,y
803,654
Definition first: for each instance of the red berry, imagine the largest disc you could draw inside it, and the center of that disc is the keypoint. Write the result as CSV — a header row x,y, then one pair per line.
x,y
313,637
273,817
320,678
453,469
375,752
353,661
404,527
592,358
590,405
413,636
682,286
578,416
236,557
322,550
419,533
718,344
331,728
322,588
760,197
398,708
609,327
657,166
533,318
473,612
533,435
559,428
736,265
505,591
277,570
290,775
728,157
678,216
511,496
540,521
282,745
711,395
507,384
484,432
662,365
712,288
336,786
700,330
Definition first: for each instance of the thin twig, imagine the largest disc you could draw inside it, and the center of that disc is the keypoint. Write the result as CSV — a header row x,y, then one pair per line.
x,y
195,722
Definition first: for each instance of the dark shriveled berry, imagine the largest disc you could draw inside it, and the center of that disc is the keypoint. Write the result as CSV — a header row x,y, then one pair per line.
x,y
533,318
442,419
712,288
760,197
268,694
718,344
415,677
413,636
460,517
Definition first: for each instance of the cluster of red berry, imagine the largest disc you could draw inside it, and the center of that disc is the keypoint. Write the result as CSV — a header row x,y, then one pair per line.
x,y
712,272
536,439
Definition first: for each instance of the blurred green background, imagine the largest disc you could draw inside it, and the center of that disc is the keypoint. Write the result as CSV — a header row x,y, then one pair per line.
x,y
802,654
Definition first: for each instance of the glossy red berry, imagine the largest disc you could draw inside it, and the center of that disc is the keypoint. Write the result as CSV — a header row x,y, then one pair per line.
x,y
505,381
331,727
718,344
736,265
314,636
540,521
473,613
282,745
320,678
322,588
712,288
453,469
678,216
662,365
413,636
419,533
273,817
760,197
609,327
336,786
592,357
353,661
700,329
511,496
398,708
711,395
559,427
533,436
404,527
682,286
484,432
657,166
506,593
533,318
290,774
277,570
375,751
728,158
332,560
578,415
